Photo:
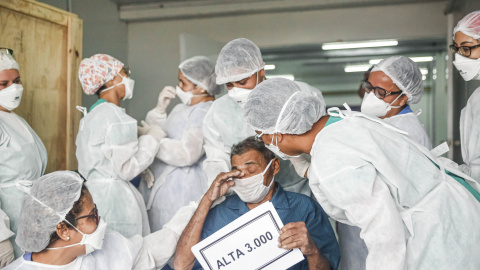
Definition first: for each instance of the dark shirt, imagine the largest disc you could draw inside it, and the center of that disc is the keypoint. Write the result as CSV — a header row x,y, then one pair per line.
x,y
291,207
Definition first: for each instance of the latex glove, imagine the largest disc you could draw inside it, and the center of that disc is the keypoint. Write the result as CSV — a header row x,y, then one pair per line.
x,y
164,98
148,177
157,132
143,130
6,253
301,164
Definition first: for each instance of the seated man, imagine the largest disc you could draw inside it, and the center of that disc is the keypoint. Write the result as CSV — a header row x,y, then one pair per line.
x,y
253,170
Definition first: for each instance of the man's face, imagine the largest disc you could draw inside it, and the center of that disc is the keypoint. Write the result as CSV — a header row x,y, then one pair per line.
x,y
252,163
248,83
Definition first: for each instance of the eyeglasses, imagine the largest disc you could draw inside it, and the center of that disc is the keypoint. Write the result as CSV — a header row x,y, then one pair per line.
x,y
463,50
6,51
378,91
258,137
92,216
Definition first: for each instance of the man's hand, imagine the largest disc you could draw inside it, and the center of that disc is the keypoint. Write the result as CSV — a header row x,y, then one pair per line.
x,y
295,235
221,184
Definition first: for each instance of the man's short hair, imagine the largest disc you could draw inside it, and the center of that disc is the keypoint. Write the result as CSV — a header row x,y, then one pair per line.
x,y
251,143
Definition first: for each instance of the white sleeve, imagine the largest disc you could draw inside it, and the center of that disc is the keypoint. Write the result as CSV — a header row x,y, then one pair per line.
x,y
358,194
217,160
128,154
5,231
184,152
155,118
159,247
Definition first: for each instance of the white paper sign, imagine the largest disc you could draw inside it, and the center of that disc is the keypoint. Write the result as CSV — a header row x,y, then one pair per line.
x,y
249,242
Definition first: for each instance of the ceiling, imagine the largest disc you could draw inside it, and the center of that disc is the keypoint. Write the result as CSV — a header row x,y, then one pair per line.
x,y
311,64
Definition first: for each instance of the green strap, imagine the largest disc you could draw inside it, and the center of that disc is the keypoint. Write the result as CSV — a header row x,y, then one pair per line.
x,y
100,101
462,181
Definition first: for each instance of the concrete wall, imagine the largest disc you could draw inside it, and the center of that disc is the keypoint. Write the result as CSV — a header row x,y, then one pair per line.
x,y
103,32
154,47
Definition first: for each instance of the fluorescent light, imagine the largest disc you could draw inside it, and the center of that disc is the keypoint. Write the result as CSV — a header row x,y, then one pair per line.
x,y
269,67
361,44
424,71
424,78
285,76
356,68
422,59
374,61
414,59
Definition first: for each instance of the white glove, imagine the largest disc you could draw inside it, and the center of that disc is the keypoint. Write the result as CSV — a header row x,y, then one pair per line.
x,y
148,177
6,253
157,132
143,130
301,164
164,98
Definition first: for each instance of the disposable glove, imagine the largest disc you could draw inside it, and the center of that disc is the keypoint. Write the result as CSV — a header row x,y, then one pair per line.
x,y
301,164
157,132
148,177
164,98
143,130
6,253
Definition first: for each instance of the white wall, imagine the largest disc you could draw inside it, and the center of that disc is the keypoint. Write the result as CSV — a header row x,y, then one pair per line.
x,y
103,32
154,51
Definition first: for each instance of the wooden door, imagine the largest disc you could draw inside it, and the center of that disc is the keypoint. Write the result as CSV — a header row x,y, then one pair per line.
x,y
47,44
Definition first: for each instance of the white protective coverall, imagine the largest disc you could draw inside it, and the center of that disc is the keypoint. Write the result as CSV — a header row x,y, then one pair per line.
x,y
470,136
23,158
412,215
109,156
409,122
120,253
225,126
353,248
179,177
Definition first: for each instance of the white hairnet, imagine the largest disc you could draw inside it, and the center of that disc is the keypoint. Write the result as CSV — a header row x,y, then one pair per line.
x,y
278,105
238,59
201,71
405,74
7,61
469,25
51,198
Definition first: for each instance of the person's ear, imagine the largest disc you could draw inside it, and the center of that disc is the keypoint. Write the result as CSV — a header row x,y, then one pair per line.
x,y
279,138
202,91
403,100
276,166
261,75
63,232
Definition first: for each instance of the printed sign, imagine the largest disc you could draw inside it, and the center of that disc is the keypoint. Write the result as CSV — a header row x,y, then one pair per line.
x,y
249,242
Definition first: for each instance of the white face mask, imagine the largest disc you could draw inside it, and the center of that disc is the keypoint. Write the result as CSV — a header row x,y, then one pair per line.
x,y
129,84
93,241
11,96
240,95
375,106
186,97
252,189
468,68
274,148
